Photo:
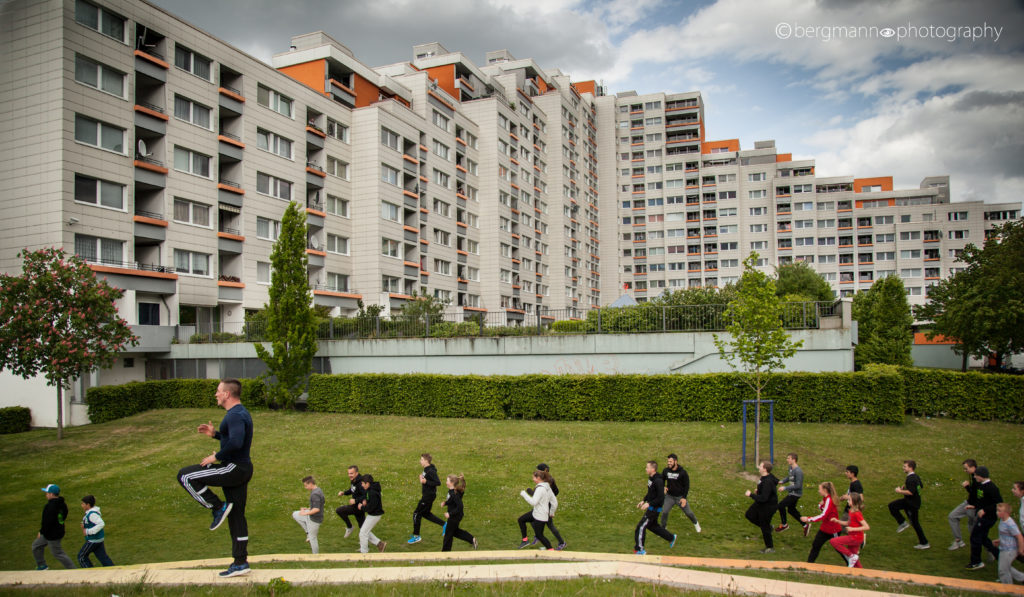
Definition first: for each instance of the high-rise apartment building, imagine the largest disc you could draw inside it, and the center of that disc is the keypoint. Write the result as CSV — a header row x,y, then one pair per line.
x,y
166,157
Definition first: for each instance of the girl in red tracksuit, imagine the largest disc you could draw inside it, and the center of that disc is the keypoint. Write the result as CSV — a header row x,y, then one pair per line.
x,y
829,512
849,545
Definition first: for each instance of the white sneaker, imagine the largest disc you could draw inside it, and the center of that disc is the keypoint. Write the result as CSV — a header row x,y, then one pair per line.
x,y
903,526
957,544
923,546
852,560
696,526
348,531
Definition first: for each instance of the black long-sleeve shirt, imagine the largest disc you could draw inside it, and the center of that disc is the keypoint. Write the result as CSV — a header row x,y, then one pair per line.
x,y
554,486
55,512
767,491
678,481
972,491
235,436
356,489
913,485
454,504
988,498
432,482
655,497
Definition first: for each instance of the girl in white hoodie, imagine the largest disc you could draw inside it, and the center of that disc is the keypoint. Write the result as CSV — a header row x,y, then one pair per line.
x,y
544,504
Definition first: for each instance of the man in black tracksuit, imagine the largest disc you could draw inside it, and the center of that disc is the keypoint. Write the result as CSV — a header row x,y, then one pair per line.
x,y
230,468
988,497
766,502
651,505
357,495
428,485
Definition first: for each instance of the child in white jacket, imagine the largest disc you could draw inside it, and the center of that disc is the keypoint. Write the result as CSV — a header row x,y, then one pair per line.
x,y
544,504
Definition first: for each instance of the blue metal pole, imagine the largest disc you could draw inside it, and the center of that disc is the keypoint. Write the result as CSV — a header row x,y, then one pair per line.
x,y
771,430
743,449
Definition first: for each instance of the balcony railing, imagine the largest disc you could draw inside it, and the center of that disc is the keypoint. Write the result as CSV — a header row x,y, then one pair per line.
x,y
625,320
149,214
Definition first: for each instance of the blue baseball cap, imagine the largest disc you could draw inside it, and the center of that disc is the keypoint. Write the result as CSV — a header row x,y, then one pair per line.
x,y
52,488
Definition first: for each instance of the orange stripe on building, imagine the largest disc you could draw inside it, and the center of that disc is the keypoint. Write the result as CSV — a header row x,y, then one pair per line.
x,y
726,144
884,181
311,74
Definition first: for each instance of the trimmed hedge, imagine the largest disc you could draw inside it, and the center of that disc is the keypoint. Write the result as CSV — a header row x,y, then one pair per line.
x,y
825,397
107,403
878,396
972,395
15,419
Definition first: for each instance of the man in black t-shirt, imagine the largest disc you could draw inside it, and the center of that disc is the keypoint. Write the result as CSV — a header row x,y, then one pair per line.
x,y
910,503
851,473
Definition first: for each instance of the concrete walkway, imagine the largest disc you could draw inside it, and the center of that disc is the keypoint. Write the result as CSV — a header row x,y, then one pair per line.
x,y
528,566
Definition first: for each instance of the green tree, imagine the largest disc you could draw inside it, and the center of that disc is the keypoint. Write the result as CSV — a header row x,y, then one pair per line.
x,y
757,343
884,332
291,325
801,280
57,319
982,307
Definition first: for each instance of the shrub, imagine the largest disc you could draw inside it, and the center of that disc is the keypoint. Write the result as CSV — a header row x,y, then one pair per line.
x,y
468,328
972,395
15,419
569,326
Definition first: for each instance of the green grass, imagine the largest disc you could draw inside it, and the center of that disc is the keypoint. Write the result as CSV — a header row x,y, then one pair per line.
x,y
130,466
599,587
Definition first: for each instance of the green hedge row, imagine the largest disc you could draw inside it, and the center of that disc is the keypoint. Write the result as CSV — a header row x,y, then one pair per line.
x,y
15,419
877,396
972,395
107,403
825,397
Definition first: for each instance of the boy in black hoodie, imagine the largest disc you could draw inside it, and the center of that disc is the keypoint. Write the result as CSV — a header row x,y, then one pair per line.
x,y
373,509
55,512
651,505
988,497
429,483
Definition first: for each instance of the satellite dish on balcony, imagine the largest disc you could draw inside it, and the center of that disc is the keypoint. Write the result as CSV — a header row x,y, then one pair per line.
x,y
142,149
315,243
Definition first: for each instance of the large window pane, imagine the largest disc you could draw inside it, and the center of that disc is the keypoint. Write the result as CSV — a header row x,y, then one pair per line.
x,y
201,116
113,26
85,71
85,189
86,130
181,159
182,108
113,82
87,14
200,215
111,195
200,264
110,250
113,138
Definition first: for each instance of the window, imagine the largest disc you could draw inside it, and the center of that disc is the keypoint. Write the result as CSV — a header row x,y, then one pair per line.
x,y
505,276
888,237
389,138
442,209
442,267
268,98
186,59
803,206
727,194
958,234
390,248
473,274
99,134
955,216
756,177
337,282
337,244
911,235
802,188
826,241
192,162
389,174
442,237
757,194
883,220
473,247
441,149
197,114
262,272
910,272
389,211
441,121
910,254
390,284
99,76
267,229
336,167
826,223
759,227
759,245
190,212
99,250
337,130
190,262
99,192
274,143
100,19
885,256
905,219
273,186
442,179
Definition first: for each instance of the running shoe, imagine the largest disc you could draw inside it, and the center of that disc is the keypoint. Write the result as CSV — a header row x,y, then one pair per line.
x,y
219,516
414,539
235,570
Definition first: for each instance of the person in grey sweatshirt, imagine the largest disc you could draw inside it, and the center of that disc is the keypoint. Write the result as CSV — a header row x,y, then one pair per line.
x,y
794,491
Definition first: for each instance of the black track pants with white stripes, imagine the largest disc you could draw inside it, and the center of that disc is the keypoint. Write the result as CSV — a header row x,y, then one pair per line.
x,y
234,478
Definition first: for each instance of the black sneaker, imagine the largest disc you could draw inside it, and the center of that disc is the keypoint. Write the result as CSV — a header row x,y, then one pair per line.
x,y
235,570
219,516
977,566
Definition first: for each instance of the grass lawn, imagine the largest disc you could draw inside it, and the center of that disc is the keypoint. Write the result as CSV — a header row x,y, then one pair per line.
x,y
130,466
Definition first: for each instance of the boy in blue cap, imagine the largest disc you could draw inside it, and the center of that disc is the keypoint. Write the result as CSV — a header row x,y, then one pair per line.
x,y
55,512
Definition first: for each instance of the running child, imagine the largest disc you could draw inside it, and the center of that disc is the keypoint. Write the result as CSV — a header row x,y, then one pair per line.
x,y
1011,545
544,502
829,511
373,510
92,528
312,517
849,545
551,515
456,489
428,487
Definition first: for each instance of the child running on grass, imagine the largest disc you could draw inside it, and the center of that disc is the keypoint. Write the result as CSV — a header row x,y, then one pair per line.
x,y
456,488
829,511
848,545
1010,543
92,528
544,503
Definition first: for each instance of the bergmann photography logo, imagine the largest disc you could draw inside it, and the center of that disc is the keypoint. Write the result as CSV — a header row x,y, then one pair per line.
x,y
949,33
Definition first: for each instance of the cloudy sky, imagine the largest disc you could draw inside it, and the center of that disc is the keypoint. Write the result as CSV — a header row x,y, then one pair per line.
x,y
870,88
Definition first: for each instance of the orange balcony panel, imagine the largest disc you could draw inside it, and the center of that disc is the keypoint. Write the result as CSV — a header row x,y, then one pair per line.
x,y
153,167
411,229
230,284
310,129
153,113
316,171
229,236
315,252
338,294
152,221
